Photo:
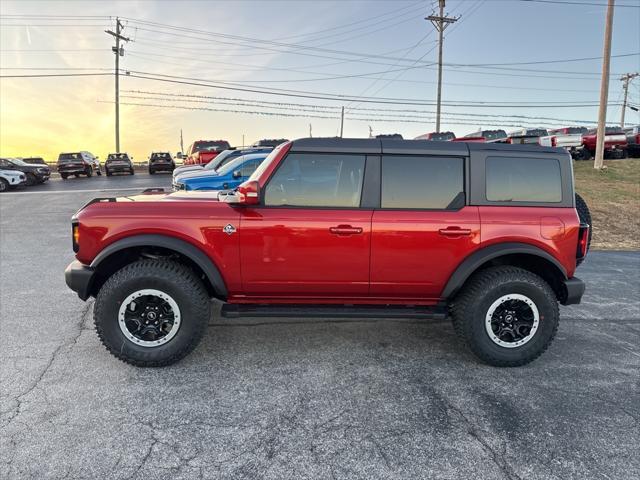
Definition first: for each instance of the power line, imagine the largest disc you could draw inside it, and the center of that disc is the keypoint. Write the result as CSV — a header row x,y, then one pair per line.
x,y
558,2
56,75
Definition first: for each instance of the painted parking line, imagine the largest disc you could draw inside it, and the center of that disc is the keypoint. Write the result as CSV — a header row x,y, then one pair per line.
x,y
42,192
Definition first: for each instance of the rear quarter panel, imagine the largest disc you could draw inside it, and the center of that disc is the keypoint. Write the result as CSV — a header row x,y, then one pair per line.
x,y
554,230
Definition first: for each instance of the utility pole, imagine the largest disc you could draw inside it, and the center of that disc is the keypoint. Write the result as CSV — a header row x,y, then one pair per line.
x,y
181,142
119,51
370,132
440,22
310,131
342,121
598,163
626,78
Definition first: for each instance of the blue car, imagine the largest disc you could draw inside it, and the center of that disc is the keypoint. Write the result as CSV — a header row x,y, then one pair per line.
x,y
227,177
222,158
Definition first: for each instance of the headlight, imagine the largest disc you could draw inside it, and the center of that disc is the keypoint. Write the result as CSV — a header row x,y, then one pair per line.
x,y
43,170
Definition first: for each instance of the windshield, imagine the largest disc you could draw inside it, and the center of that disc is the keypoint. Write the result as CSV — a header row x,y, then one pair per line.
x,y
608,130
442,136
266,162
216,162
494,134
70,157
210,146
18,161
576,130
117,156
234,164
537,132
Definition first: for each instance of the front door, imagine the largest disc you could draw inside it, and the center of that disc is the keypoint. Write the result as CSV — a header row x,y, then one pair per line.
x,y
423,228
309,237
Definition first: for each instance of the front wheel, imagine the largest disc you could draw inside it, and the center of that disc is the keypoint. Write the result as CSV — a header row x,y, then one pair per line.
x,y
99,172
506,315
4,185
89,172
132,171
152,313
31,179
63,176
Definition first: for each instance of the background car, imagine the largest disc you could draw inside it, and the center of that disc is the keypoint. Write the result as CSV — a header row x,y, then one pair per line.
x,y
34,173
269,142
220,160
11,179
203,151
226,177
118,163
78,163
437,136
161,162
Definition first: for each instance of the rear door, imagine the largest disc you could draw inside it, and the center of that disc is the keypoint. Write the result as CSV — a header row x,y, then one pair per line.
x,y
309,238
423,228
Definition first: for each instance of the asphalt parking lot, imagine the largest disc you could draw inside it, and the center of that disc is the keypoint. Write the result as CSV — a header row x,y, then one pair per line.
x,y
296,398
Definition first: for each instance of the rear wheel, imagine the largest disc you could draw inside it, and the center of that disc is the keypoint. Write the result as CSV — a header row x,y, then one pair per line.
x,y
99,172
132,171
89,172
63,176
506,315
151,171
152,313
77,175
107,172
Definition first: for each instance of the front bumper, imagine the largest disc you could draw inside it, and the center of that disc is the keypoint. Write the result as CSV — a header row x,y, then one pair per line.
x,y
573,291
79,278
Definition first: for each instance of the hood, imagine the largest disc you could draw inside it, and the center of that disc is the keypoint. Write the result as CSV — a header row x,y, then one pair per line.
x,y
201,173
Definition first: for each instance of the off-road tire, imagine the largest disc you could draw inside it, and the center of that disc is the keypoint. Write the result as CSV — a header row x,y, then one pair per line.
x,y
4,185
63,176
470,307
585,217
177,281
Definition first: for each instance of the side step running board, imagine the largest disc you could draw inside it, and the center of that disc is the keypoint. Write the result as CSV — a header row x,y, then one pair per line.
x,y
332,311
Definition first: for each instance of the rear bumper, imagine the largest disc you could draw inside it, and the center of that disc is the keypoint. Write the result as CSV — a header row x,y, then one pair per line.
x,y
119,167
74,169
164,167
79,278
574,289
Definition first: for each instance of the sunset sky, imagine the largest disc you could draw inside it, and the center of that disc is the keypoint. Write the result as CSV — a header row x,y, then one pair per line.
x,y
323,48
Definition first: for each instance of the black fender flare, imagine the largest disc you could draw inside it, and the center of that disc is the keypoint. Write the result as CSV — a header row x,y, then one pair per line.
x,y
470,264
171,243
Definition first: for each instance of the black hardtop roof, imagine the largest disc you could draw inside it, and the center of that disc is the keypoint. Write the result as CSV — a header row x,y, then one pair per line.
x,y
410,147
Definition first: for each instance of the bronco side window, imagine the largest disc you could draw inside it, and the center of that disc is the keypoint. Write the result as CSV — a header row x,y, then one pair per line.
x,y
419,182
518,179
317,180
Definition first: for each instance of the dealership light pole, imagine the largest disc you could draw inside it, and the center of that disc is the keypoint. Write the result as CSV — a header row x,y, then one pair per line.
x,y
440,22
119,51
598,163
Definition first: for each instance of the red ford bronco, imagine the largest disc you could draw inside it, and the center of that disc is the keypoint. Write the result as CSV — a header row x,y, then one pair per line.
x,y
487,233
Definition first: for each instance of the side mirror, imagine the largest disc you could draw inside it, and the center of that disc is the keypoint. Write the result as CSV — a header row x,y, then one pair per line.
x,y
237,174
97,158
245,194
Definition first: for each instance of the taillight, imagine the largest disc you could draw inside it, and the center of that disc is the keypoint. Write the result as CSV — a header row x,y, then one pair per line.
x,y
583,241
554,141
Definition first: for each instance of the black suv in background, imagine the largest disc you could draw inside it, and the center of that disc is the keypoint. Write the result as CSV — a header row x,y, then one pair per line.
x,y
78,163
118,163
35,173
161,162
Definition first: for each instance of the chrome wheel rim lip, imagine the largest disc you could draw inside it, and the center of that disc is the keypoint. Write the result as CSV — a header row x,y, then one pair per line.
x,y
489,318
149,292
